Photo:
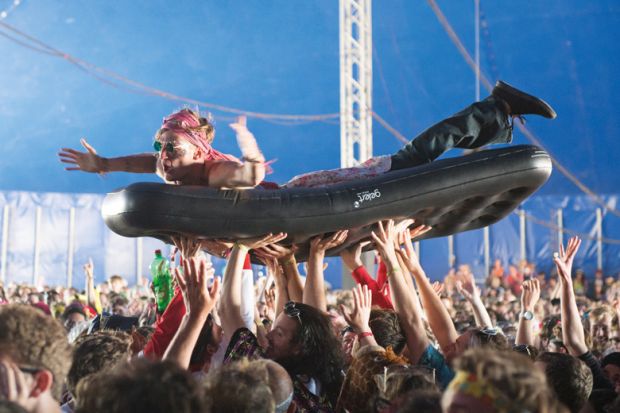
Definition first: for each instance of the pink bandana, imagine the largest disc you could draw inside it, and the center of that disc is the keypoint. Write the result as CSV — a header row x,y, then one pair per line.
x,y
185,124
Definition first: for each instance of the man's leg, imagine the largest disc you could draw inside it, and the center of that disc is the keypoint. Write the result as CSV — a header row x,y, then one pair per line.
x,y
479,124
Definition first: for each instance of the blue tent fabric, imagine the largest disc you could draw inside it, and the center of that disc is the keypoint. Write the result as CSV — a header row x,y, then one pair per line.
x,y
283,57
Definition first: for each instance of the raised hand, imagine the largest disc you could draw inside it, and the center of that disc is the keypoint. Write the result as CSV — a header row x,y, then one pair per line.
x,y
564,259
438,287
384,240
89,269
216,247
466,286
262,241
530,294
359,317
320,245
187,246
87,161
246,141
277,252
352,256
198,298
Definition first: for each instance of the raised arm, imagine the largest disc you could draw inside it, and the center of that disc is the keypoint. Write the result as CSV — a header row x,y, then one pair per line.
x,y
199,301
92,297
467,287
572,329
404,299
359,317
230,303
314,290
286,259
436,314
247,174
90,161
529,298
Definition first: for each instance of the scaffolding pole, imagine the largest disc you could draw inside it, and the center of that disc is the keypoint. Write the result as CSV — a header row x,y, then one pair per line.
x,y
522,243
355,94
599,239
71,247
5,241
37,233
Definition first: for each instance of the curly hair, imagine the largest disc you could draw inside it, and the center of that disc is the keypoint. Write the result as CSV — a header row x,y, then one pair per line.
x,y
140,386
96,352
36,340
513,376
321,354
387,330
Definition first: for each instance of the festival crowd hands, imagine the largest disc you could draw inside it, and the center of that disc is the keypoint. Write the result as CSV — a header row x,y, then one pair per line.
x,y
429,317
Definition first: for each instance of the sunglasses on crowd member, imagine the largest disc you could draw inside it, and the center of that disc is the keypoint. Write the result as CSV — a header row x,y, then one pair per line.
x,y
172,151
29,369
292,311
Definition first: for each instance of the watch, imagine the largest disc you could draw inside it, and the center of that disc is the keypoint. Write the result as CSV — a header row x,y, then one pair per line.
x,y
528,315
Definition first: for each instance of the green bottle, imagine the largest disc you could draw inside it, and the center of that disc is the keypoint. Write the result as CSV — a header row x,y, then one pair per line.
x,y
162,281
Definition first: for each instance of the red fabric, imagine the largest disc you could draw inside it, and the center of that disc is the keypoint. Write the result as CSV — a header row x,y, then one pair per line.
x,y
247,264
380,292
166,327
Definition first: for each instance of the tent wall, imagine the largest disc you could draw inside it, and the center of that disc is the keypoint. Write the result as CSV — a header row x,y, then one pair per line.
x,y
47,237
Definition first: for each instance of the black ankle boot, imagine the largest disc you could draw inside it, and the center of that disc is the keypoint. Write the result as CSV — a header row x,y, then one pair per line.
x,y
520,102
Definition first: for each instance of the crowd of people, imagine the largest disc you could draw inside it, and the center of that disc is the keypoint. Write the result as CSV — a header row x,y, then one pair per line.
x,y
523,341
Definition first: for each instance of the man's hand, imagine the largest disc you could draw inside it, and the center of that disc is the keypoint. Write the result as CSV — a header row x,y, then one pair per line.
x,y
384,240
246,141
87,161
187,246
564,260
198,298
530,294
277,252
318,245
262,241
352,256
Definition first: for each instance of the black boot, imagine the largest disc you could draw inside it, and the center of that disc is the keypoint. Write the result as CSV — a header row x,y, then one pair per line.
x,y
520,103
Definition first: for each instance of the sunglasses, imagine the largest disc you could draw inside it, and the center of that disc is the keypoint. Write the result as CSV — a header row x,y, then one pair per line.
x,y
172,151
292,311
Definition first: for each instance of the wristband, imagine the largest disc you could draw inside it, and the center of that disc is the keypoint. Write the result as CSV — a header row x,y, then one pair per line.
x,y
365,334
393,271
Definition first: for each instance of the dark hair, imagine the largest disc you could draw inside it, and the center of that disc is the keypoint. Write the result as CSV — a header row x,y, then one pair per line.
x,y
320,355
199,354
386,329
569,377
140,386
611,358
97,352
427,401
